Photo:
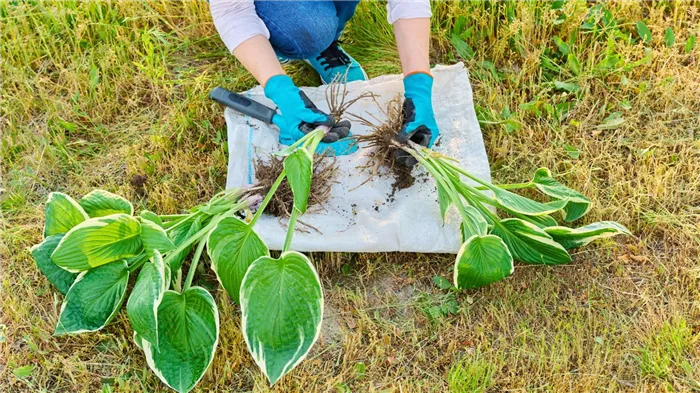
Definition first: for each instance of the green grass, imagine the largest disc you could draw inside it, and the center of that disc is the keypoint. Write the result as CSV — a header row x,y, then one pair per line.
x,y
98,94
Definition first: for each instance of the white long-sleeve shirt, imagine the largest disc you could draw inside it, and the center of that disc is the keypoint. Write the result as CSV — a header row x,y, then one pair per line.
x,y
236,20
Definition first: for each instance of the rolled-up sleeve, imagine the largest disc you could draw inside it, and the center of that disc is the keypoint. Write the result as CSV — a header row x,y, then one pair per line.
x,y
236,21
408,9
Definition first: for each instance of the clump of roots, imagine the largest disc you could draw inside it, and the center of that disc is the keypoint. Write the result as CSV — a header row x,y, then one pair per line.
x,y
382,140
282,202
336,97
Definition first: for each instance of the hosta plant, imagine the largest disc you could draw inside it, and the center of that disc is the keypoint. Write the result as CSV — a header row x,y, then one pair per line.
x,y
529,233
94,247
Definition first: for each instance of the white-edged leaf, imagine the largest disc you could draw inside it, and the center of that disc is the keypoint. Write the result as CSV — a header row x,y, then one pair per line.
x,y
519,204
142,306
298,167
179,235
232,247
529,243
282,310
62,214
100,203
541,221
577,205
482,260
41,253
579,237
443,199
188,333
154,238
473,224
98,241
153,217
93,299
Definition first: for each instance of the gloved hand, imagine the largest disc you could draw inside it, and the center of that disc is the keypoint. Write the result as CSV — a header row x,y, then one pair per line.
x,y
419,124
299,116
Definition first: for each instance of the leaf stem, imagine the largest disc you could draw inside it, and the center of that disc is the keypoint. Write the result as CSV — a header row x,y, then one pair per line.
x,y
268,197
193,265
202,232
290,229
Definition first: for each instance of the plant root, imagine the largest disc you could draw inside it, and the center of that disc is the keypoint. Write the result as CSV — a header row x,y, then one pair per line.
x,y
336,98
383,140
325,170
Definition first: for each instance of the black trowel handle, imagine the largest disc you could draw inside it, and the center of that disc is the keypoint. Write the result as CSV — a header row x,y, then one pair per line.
x,y
242,104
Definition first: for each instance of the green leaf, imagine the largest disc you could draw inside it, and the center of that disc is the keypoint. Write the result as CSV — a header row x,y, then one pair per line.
x,y
669,37
529,243
100,203
577,205
644,32
232,247
567,86
282,310
93,299
94,77
462,48
574,64
522,205
563,47
443,199
579,237
475,224
154,238
541,221
482,260
150,216
572,151
188,332
179,235
142,306
98,241
298,167
24,371
690,44
41,253
62,214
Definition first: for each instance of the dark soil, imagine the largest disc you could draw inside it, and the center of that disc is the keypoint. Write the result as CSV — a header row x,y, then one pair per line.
x,y
382,140
323,178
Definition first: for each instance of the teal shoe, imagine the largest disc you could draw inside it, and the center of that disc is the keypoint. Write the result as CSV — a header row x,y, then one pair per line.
x,y
334,63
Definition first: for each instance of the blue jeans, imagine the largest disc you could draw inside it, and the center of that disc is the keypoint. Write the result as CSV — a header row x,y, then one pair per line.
x,y
303,29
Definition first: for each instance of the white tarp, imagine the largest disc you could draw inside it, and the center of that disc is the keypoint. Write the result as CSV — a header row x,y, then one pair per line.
x,y
365,217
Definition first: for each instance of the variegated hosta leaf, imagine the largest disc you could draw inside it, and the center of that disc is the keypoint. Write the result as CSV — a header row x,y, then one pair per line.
x,y
541,221
482,260
578,237
577,205
154,238
100,203
188,332
62,214
529,243
474,224
178,235
93,299
282,310
153,217
233,246
142,306
298,167
98,241
443,199
60,278
519,204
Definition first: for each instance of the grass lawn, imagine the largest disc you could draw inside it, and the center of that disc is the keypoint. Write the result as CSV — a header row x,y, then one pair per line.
x,y
607,95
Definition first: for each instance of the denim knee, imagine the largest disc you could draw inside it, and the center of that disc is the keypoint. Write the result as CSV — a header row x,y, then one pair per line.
x,y
299,30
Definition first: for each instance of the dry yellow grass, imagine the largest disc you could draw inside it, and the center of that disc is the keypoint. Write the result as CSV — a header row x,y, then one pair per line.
x,y
113,95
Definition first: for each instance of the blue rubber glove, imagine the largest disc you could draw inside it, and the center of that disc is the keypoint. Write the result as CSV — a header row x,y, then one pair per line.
x,y
419,124
299,116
